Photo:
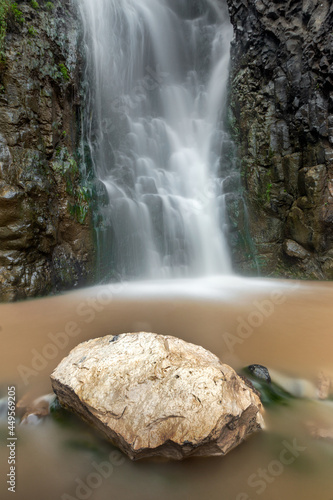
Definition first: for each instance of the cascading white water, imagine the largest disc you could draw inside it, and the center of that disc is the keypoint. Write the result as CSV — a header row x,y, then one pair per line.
x,y
157,75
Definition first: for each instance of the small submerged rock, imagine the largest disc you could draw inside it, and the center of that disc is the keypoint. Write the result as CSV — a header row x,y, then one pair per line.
x,y
276,387
155,395
324,385
317,431
269,390
260,372
320,427
34,412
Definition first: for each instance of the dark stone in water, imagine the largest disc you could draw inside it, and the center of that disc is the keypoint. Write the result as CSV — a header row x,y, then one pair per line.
x,y
260,372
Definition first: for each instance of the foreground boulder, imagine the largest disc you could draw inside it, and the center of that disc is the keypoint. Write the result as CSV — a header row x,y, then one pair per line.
x,y
155,395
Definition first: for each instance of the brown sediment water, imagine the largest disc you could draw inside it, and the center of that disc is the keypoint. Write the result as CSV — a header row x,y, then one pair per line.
x,y
286,326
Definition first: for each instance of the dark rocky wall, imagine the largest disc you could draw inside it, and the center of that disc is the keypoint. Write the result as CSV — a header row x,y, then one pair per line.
x,y
46,241
282,122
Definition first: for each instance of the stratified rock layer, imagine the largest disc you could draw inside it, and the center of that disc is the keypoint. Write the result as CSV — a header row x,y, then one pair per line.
x,y
155,395
282,121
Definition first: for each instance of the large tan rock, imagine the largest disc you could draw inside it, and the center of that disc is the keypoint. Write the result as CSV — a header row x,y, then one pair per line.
x,y
157,395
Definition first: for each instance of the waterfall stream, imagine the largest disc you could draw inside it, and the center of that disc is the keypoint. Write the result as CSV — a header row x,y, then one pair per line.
x,y
156,77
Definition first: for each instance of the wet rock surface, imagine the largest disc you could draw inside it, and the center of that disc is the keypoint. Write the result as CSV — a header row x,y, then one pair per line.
x,y
155,395
45,233
33,412
282,122
260,372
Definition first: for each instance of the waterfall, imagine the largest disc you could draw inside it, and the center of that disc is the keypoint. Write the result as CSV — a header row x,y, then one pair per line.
x,y
156,78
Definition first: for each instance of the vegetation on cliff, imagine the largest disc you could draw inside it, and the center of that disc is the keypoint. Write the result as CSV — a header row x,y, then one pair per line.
x,y
281,102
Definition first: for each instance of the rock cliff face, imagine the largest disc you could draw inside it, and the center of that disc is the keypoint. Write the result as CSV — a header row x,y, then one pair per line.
x,y
45,222
282,123
157,395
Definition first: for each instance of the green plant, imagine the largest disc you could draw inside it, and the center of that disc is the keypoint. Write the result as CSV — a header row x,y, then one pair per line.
x,y
268,191
34,4
234,128
49,6
78,212
66,166
64,72
4,8
82,196
32,31
17,13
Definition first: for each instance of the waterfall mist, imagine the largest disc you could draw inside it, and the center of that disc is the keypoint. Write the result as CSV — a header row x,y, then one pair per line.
x,y
156,78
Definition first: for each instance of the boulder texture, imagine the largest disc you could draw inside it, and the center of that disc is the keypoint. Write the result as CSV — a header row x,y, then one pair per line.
x,y
155,395
45,231
281,119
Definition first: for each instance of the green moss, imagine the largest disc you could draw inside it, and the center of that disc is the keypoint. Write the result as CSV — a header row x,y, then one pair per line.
x,y
268,191
66,166
8,8
49,6
233,127
34,4
4,8
80,209
64,72
64,163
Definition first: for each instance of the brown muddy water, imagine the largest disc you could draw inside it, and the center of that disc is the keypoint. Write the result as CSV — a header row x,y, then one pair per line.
x,y
286,326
